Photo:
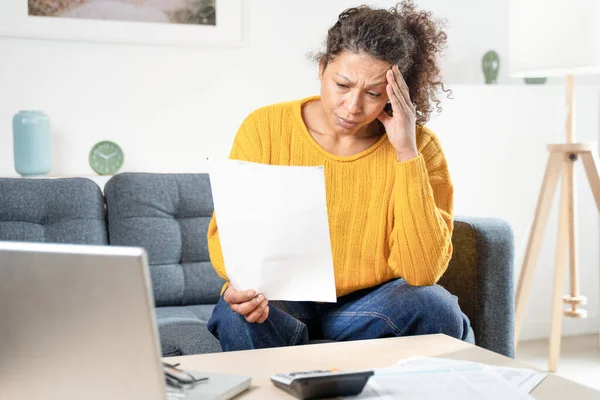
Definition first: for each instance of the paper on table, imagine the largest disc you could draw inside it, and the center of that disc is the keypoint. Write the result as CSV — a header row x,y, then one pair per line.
x,y
445,384
454,379
524,379
274,229
521,378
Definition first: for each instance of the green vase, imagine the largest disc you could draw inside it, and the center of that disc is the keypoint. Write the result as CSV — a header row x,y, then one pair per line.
x,y
535,81
490,64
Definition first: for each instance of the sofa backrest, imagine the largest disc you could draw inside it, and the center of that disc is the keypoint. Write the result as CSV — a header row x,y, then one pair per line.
x,y
168,215
52,210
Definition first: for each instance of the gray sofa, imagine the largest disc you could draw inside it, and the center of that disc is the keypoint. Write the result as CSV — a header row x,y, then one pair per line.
x,y
168,215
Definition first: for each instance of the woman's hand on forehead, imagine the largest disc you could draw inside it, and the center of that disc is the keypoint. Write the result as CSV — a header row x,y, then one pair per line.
x,y
401,125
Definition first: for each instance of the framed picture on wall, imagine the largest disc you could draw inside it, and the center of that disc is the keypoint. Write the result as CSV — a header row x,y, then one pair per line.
x,y
147,22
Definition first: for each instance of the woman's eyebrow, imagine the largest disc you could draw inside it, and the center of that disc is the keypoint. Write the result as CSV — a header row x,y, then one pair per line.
x,y
368,86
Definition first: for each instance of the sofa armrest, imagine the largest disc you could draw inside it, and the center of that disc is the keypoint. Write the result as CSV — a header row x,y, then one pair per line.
x,y
480,274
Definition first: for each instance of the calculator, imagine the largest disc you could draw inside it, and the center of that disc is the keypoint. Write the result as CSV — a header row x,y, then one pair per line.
x,y
322,383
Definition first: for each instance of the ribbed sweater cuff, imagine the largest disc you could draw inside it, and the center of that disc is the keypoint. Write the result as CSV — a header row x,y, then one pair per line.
x,y
412,171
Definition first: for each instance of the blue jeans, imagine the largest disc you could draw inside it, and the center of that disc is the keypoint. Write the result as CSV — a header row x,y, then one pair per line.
x,y
392,309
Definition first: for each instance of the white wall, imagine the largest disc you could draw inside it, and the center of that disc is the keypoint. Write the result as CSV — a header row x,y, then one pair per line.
x,y
169,108
180,104
495,140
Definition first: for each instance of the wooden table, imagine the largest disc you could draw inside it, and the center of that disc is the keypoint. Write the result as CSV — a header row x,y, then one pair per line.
x,y
366,354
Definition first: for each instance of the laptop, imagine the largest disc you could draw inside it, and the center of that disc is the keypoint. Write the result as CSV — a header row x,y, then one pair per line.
x,y
77,322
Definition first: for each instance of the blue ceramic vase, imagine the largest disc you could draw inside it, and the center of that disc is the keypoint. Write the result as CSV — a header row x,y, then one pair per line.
x,y
31,141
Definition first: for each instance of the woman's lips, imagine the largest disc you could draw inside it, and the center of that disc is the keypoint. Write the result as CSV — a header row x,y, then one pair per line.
x,y
344,123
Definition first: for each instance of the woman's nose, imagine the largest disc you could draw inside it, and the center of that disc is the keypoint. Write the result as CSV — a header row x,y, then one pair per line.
x,y
353,103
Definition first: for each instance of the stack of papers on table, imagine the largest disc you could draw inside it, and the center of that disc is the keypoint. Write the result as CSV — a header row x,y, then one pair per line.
x,y
440,378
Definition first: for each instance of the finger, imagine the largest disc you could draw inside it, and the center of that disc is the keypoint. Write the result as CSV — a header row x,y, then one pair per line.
x,y
257,313
264,315
232,296
397,107
394,95
403,87
397,93
251,305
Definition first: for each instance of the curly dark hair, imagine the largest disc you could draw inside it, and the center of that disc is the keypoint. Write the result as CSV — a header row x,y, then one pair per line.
x,y
402,35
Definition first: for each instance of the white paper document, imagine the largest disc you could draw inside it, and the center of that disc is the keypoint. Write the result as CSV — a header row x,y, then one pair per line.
x,y
433,378
523,379
274,229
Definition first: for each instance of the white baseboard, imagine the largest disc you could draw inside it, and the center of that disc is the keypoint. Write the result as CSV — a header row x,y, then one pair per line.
x,y
540,329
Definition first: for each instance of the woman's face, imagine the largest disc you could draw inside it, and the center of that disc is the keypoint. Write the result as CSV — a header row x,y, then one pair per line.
x,y
353,91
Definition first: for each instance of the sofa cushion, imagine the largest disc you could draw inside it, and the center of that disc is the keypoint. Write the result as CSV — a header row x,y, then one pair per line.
x,y
460,278
183,330
52,210
480,274
168,215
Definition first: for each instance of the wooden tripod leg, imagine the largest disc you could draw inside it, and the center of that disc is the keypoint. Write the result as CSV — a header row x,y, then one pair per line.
x,y
573,299
590,162
559,273
569,182
553,170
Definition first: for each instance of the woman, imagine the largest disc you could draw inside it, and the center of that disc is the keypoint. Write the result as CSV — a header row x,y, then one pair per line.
x,y
389,192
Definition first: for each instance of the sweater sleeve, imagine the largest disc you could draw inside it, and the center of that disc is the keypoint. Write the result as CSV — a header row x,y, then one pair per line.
x,y
247,146
421,237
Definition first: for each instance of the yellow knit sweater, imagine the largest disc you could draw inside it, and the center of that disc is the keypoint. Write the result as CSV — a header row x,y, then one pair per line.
x,y
387,219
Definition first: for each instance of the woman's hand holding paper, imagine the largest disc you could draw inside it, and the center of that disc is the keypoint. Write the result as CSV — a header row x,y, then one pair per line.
x,y
254,308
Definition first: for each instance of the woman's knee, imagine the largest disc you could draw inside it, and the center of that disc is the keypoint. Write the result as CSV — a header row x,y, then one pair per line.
x,y
418,310
227,319
440,311
235,333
